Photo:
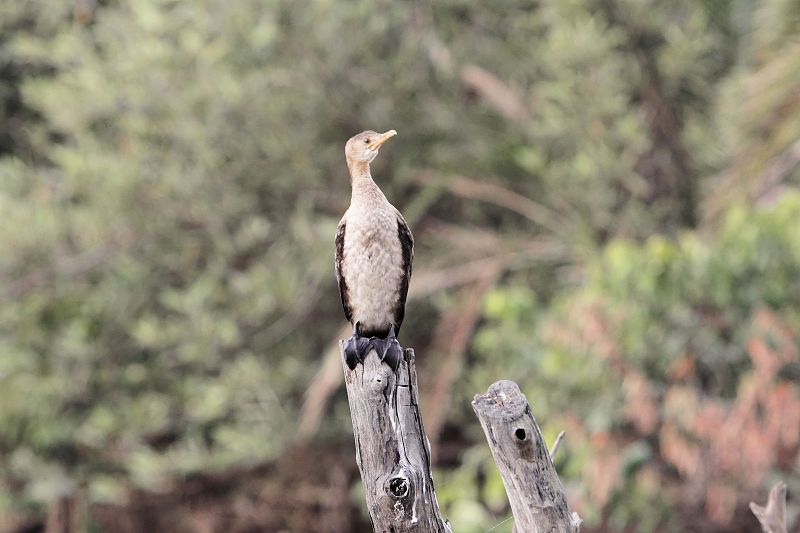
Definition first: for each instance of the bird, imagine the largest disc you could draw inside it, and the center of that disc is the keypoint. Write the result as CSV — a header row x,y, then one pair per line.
x,y
373,253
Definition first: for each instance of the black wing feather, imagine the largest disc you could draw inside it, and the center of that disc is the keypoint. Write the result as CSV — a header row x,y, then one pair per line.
x,y
407,246
344,292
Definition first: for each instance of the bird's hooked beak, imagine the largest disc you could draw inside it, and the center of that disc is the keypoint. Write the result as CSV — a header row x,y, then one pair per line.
x,y
382,139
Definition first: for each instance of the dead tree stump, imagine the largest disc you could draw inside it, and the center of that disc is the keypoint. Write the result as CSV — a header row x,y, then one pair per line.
x,y
393,453
392,450
532,485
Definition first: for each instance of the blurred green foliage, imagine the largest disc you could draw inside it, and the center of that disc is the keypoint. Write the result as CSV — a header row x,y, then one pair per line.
x,y
171,175
653,322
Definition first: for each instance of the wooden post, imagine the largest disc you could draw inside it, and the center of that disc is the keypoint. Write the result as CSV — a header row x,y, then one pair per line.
x,y
392,450
532,485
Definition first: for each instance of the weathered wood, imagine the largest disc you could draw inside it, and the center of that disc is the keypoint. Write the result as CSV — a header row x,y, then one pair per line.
x,y
532,485
772,517
391,447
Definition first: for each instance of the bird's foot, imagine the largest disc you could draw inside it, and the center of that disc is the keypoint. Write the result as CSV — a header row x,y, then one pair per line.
x,y
389,350
356,348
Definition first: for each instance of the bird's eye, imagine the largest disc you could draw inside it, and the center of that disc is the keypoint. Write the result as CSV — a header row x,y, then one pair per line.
x,y
366,141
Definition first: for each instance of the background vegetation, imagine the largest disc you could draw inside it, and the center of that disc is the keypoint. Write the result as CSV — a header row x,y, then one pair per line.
x,y
604,195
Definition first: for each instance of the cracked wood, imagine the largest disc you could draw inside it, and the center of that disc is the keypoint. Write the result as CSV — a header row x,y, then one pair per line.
x,y
391,447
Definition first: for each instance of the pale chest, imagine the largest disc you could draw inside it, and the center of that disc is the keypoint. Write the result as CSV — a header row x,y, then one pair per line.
x,y
372,233
373,264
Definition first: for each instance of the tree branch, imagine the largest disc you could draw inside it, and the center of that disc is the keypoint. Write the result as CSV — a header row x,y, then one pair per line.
x,y
532,485
391,447
772,517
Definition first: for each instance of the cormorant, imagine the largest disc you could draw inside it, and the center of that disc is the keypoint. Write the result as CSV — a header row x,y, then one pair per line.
x,y
374,250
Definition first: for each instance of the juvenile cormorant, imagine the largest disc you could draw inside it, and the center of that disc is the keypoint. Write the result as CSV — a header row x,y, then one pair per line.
x,y
374,250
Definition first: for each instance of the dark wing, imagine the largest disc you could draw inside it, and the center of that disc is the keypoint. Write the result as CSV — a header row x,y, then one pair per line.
x,y
339,257
407,246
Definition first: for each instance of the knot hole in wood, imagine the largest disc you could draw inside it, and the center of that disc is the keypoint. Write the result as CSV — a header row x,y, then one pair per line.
x,y
397,487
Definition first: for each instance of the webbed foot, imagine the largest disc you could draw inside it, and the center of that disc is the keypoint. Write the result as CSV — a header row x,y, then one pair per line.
x,y
356,348
389,350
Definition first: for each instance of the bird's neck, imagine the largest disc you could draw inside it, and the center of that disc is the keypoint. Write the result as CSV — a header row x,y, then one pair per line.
x,y
364,188
358,170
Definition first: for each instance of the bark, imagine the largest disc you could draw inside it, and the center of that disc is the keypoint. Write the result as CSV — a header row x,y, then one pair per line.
x,y
392,450
532,485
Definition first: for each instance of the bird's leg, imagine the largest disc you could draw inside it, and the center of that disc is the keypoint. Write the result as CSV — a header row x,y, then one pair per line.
x,y
388,350
356,347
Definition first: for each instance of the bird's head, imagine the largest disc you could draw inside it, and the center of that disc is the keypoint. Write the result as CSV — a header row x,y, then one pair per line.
x,y
363,148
